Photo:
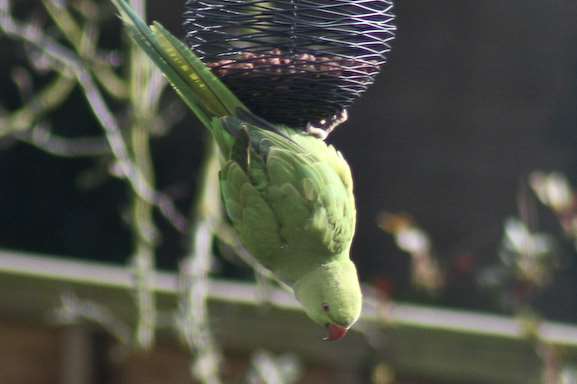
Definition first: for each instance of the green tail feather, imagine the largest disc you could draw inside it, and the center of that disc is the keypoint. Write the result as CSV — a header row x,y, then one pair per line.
x,y
200,89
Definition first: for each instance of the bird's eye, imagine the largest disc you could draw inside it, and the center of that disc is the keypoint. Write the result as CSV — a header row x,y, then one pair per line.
x,y
326,307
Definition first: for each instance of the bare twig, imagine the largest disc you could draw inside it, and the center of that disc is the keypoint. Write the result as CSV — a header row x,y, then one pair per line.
x,y
73,310
43,102
82,40
143,228
41,137
193,317
106,119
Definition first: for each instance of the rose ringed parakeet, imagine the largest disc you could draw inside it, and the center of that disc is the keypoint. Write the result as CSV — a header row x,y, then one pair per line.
x,y
288,195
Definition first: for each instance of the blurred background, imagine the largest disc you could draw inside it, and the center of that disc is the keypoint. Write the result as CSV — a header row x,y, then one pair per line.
x,y
463,153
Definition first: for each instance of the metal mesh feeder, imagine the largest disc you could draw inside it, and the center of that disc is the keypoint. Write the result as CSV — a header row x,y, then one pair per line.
x,y
293,62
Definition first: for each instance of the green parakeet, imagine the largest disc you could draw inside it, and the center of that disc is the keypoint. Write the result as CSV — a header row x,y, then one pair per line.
x,y
288,195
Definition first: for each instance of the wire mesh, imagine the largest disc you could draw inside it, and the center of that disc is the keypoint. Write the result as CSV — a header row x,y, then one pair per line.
x,y
293,62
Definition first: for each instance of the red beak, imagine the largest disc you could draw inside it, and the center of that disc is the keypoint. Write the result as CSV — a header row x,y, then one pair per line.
x,y
336,332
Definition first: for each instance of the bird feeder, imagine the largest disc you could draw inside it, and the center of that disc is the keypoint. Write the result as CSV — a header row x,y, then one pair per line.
x,y
293,62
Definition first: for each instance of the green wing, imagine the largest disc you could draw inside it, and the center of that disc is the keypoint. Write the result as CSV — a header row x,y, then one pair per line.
x,y
292,208
200,89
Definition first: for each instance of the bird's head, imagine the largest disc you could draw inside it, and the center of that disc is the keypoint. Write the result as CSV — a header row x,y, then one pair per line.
x,y
331,296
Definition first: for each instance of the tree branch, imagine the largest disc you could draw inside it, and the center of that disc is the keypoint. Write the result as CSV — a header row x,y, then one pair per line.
x,y
42,138
193,317
43,102
143,109
59,54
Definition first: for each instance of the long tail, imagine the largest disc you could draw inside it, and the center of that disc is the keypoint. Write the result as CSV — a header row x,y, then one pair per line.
x,y
199,88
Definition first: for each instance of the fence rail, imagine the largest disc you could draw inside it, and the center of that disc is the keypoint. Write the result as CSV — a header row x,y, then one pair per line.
x,y
440,344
